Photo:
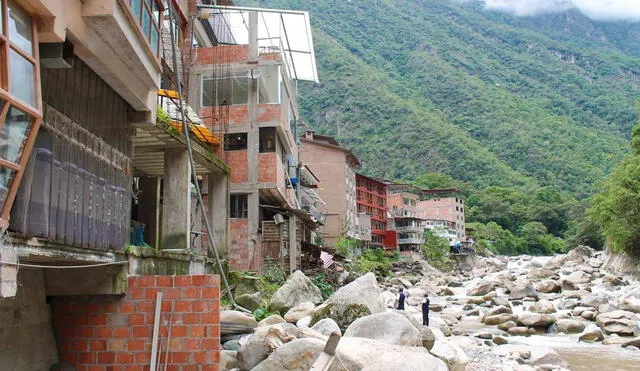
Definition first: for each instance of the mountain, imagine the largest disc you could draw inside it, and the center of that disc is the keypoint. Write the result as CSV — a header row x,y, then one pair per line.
x,y
419,86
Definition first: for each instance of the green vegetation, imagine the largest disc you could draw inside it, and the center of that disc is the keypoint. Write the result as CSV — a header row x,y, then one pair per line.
x,y
436,251
346,246
524,114
321,282
262,313
373,260
532,238
617,207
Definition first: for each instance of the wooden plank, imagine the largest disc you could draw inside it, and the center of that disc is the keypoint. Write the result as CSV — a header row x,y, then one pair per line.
x,y
156,327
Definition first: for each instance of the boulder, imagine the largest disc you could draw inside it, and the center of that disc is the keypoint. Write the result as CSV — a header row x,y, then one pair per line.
x,y
548,286
543,306
500,300
521,331
299,354
451,353
412,361
567,285
611,280
388,298
236,322
400,281
498,310
577,311
250,301
499,340
589,315
296,290
618,322
540,273
359,353
388,327
570,325
606,308
499,319
576,294
578,277
630,304
481,288
426,335
304,322
326,327
507,325
300,311
591,334
536,320
228,359
594,300
615,339
476,300
452,312
233,345
522,291
632,343
546,356
445,291
263,341
271,320
568,304
580,254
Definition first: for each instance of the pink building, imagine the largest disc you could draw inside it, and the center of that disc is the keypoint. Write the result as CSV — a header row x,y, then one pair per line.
x,y
445,215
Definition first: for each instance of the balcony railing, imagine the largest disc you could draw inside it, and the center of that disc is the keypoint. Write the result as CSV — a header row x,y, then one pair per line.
x,y
411,241
410,228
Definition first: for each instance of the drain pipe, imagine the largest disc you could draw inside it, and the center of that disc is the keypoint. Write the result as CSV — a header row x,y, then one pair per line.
x,y
185,129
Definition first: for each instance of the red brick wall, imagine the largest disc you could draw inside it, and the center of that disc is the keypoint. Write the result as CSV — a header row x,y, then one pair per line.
x,y
238,250
223,54
269,113
100,333
267,167
239,164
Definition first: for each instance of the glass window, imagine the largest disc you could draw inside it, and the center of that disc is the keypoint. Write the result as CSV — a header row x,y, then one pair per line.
x,y
14,134
269,85
22,78
136,6
267,140
239,207
146,21
154,40
235,141
6,176
232,90
20,28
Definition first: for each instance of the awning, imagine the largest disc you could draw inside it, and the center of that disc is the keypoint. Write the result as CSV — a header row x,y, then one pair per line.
x,y
279,31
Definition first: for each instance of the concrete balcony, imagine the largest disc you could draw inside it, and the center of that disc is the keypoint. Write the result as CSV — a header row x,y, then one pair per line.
x,y
407,229
411,241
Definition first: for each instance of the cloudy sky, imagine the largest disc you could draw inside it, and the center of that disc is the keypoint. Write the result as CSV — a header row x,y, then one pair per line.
x,y
603,10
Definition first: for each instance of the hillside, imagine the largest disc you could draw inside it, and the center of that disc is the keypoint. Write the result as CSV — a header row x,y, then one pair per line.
x,y
417,86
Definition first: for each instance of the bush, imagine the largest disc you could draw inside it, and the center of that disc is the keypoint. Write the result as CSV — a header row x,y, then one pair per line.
x,y
262,313
373,260
321,282
346,246
273,273
436,251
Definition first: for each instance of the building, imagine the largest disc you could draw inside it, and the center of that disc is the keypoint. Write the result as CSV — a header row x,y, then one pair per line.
x,y
85,159
402,201
243,83
371,197
336,167
444,215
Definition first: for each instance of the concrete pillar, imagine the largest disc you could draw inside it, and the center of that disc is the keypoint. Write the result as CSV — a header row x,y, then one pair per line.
x,y
148,212
176,200
253,213
253,37
293,244
218,210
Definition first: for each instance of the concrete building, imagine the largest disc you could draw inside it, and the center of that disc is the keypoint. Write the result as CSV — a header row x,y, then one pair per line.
x,y
371,198
402,202
336,168
444,215
244,85
84,159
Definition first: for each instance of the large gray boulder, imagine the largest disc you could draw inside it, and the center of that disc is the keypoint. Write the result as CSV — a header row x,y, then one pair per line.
x,y
326,327
499,319
522,291
300,311
543,306
481,288
250,301
299,354
298,289
548,286
236,322
579,277
591,334
359,353
263,341
357,299
630,303
540,273
451,353
618,322
536,320
410,362
594,300
228,359
388,327
570,325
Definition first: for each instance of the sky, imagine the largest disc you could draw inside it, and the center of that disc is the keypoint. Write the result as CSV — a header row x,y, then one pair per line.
x,y
600,10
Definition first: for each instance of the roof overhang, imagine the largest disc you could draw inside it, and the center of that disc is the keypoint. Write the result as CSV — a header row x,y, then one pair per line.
x,y
285,31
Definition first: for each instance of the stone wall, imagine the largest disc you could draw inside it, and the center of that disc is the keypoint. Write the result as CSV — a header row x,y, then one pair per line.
x,y
116,333
622,264
26,335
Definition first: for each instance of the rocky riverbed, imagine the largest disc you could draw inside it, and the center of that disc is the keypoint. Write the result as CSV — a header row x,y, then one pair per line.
x,y
520,313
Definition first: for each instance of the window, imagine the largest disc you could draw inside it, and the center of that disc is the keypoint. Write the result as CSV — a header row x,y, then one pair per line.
x,y
147,15
239,206
20,103
235,141
230,90
267,140
269,85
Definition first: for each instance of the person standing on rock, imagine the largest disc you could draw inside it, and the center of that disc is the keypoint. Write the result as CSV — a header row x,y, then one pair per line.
x,y
425,310
401,300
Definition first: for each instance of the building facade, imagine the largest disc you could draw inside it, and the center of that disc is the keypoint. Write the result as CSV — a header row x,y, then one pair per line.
x,y
86,159
336,168
404,219
244,85
372,199
444,216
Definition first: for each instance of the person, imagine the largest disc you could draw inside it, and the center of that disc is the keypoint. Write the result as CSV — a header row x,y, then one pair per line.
x,y
401,300
425,310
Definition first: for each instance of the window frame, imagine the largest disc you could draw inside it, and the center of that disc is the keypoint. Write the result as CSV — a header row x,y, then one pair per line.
x,y
246,142
6,95
155,21
263,138
235,205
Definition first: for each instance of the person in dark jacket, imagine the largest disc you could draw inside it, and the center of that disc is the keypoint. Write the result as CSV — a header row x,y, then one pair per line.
x,y
401,300
425,310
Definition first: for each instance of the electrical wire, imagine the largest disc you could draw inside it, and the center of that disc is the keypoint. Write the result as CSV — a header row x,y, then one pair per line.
x,y
18,264
185,130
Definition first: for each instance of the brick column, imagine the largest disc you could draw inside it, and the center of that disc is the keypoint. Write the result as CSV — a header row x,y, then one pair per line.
x,y
115,333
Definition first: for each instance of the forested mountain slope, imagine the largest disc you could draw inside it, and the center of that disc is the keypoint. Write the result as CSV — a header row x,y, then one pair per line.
x,y
418,86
